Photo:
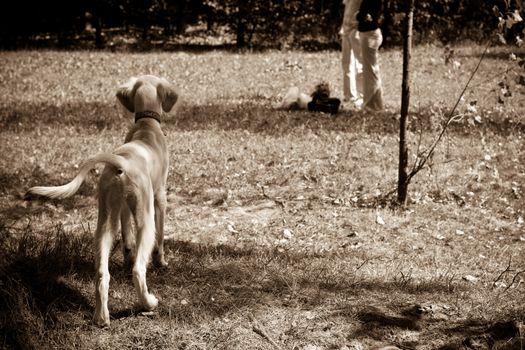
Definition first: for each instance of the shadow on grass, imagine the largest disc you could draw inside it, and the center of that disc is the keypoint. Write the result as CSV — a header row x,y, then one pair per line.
x,y
376,323
216,279
477,334
251,116
34,288
91,116
46,274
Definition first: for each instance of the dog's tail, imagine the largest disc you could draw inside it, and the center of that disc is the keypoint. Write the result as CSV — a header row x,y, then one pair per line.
x,y
72,187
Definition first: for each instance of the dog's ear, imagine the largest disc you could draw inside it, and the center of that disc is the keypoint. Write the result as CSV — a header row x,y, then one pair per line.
x,y
168,95
126,94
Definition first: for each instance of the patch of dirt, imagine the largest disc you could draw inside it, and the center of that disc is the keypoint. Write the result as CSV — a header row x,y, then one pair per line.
x,y
259,213
216,224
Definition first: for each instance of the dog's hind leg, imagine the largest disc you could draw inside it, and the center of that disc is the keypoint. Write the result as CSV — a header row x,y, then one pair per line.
x,y
128,250
107,228
143,211
160,211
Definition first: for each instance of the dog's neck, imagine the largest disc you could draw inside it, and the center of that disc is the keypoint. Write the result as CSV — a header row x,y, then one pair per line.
x,y
147,114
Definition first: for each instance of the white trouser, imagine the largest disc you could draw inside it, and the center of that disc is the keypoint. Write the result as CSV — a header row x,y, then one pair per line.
x,y
372,90
352,68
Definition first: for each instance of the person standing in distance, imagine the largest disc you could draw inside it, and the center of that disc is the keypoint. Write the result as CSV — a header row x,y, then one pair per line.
x,y
371,39
351,51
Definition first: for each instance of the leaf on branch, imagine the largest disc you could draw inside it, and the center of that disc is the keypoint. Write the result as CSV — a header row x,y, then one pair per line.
x,y
501,38
501,23
496,11
512,19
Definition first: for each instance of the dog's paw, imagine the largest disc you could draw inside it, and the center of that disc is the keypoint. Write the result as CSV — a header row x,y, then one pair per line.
x,y
159,260
101,320
150,302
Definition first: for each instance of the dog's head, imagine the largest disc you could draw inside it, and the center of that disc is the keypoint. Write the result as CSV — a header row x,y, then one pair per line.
x,y
147,93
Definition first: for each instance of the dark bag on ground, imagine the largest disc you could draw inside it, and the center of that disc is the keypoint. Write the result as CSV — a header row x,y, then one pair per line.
x,y
322,102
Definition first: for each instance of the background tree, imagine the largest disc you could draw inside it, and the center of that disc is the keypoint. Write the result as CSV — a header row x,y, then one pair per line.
x,y
307,24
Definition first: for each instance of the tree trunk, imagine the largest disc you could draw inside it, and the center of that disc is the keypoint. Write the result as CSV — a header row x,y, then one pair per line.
x,y
97,12
99,41
180,16
241,29
241,24
403,180
386,26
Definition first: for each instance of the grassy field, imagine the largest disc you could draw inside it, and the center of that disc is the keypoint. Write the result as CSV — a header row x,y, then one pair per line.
x,y
282,231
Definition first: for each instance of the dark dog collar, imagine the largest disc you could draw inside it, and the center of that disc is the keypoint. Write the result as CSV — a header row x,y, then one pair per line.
x,y
147,114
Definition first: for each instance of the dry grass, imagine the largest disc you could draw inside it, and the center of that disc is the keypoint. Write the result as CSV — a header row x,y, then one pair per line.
x,y
272,214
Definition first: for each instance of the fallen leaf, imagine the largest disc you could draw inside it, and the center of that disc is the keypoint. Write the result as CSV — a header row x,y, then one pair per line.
x,y
287,233
311,347
379,220
232,229
470,278
500,284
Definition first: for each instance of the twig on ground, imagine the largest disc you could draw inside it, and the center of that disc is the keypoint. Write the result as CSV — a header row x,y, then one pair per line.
x,y
362,264
257,328
280,203
509,269
504,271
514,279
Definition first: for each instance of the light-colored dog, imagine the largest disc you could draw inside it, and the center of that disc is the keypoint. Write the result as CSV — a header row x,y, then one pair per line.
x,y
133,183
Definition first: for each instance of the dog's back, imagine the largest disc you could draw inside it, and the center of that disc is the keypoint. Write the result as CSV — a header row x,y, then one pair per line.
x,y
146,146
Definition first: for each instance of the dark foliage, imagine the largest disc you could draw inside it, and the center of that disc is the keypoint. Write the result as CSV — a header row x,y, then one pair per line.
x,y
308,24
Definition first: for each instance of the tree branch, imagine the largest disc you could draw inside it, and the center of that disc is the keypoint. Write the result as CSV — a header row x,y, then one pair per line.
x,y
422,160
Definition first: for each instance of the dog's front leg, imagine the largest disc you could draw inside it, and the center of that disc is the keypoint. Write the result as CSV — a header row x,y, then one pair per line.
x,y
160,212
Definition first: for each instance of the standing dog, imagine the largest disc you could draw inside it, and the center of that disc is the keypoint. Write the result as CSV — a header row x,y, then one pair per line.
x,y
133,183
